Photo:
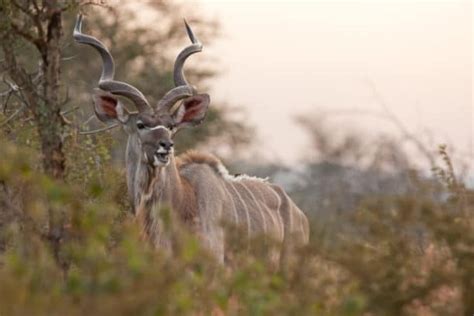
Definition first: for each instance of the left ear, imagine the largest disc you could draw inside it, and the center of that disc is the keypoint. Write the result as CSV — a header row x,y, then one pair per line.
x,y
108,107
193,111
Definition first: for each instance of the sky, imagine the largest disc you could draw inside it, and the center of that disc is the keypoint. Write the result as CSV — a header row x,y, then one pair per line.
x,y
283,59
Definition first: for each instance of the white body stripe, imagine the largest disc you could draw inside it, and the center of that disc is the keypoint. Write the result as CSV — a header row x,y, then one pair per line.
x,y
219,198
258,208
244,205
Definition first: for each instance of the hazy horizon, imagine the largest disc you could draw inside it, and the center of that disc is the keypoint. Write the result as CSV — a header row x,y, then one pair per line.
x,y
284,58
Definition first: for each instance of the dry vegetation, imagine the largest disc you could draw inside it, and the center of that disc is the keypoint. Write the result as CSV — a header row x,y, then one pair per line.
x,y
396,242
409,254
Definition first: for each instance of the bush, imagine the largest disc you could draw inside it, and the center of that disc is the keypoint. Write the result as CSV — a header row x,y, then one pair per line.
x,y
411,254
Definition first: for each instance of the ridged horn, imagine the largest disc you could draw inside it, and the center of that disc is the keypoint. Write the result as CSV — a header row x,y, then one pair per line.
x,y
106,81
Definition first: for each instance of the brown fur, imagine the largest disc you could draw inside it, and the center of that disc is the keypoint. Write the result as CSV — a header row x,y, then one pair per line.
x,y
256,206
188,204
193,156
199,192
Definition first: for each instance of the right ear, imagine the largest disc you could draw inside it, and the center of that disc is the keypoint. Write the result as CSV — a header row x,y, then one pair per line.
x,y
108,107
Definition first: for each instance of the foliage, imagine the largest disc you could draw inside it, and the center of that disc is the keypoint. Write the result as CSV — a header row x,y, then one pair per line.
x,y
409,254
144,54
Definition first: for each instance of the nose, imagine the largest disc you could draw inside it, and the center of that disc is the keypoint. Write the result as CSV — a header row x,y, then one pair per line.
x,y
166,144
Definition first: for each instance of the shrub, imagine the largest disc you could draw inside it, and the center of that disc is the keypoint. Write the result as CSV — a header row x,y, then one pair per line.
x,y
409,254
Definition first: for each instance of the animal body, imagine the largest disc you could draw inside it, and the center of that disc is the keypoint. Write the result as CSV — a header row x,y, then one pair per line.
x,y
196,187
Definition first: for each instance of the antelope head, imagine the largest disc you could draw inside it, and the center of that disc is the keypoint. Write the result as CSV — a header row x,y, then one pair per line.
x,y
151,129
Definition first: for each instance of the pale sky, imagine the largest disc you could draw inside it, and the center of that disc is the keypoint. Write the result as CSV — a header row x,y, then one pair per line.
x,y
287,58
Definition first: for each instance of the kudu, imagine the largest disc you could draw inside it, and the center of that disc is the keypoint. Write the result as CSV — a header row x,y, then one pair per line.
x,y
197,188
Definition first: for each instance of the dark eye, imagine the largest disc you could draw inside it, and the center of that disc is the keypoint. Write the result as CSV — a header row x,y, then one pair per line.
x,y
140,125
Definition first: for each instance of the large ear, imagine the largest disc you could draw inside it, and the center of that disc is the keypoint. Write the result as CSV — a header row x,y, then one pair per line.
x,y
193,111
108,107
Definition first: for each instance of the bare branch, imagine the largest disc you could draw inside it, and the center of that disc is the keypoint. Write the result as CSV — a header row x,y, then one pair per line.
x,y
89,119
30,38
35,17
98,130
23,9
4,104
15,114
13,86
13,89
37,39
396,121
66,98
38,10
70,110
64,102
6,93
69,58
100,3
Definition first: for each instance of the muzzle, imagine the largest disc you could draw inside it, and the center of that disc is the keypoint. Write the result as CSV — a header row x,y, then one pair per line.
x,y
159,156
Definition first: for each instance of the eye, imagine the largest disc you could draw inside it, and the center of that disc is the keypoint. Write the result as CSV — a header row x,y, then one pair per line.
x,y
140,125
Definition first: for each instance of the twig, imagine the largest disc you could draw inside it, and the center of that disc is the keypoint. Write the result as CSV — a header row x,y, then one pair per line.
x,y
89,119
66,98
394,119
6,93
23,9
70,110
100,3
98,130
40,72
13,89
68,58
35,4
27,36
4,105
13,86
35,18
11,117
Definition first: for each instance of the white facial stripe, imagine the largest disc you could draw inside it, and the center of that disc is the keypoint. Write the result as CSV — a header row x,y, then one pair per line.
x,y
158,127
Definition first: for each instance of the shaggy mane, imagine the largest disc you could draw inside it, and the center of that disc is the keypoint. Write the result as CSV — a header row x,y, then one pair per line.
x,y
192,156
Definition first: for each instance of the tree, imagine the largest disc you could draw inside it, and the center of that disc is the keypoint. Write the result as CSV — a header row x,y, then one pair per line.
x,y
29,24
144,53
40,80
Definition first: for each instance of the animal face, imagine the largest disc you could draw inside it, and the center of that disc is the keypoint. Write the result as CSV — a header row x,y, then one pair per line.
x,y
154,133
154,129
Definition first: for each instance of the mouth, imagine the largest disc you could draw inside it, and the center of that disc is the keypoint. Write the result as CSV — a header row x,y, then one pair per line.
x,y
160,159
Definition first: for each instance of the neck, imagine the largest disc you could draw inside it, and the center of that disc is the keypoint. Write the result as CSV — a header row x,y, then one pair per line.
x,y
158,197
154,186
152,191
143,179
